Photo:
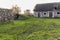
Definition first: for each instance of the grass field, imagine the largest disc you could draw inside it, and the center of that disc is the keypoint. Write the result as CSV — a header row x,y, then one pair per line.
x,y
31,29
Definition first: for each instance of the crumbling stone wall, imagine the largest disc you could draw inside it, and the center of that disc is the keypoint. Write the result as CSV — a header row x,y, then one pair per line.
x,y
6,15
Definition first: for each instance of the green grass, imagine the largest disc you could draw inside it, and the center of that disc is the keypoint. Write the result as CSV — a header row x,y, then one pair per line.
x,y
31,29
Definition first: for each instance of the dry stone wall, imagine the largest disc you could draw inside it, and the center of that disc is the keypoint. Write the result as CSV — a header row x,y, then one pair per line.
x,y
6,15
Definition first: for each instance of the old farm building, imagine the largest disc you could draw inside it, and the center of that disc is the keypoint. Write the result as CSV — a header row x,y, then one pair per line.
x,y
47,10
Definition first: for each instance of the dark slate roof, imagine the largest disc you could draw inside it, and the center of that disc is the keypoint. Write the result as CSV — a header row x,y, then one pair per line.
x,y
47,6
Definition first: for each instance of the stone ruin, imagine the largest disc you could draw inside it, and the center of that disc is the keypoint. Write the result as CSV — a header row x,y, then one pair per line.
x,y
6,15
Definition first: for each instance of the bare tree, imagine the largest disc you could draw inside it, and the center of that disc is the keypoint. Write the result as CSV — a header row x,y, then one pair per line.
x,y
16,9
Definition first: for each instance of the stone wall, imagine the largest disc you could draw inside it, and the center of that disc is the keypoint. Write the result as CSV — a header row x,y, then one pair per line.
x,y
6,15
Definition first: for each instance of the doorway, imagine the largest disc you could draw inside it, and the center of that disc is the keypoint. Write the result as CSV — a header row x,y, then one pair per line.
x,y
38,14
50,14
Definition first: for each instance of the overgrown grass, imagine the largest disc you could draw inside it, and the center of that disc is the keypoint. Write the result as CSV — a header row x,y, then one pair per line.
x,y
31,29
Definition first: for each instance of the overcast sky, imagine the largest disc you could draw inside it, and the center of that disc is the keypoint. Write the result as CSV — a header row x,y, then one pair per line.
x,y
24,4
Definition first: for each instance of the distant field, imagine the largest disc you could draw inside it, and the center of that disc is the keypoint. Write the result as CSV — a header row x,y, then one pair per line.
x,y
31,29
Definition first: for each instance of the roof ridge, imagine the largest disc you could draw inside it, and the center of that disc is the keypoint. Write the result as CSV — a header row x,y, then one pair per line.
x,y
49,3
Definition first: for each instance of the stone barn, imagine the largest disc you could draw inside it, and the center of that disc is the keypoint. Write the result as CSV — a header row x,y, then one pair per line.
x,y
6,15
47,10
